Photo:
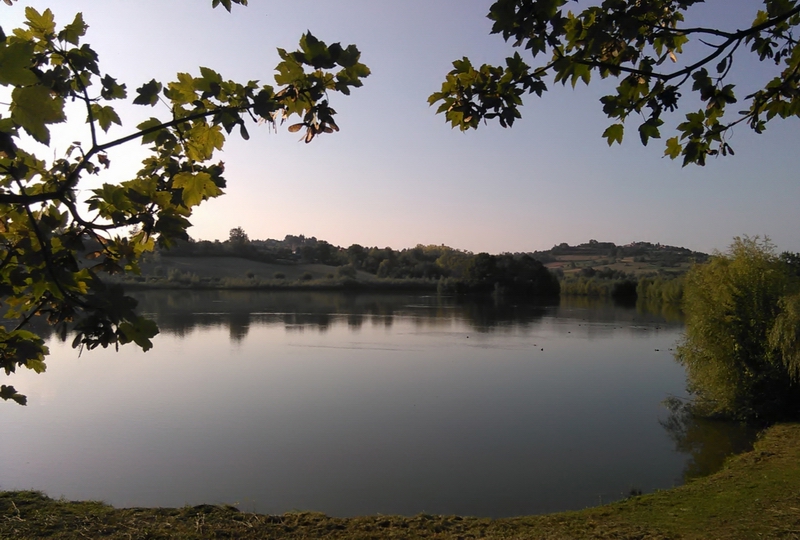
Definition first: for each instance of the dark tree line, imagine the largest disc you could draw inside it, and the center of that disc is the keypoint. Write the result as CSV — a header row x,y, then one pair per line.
x,y
460,271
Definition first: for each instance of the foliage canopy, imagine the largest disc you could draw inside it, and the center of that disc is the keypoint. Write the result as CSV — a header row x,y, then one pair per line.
x,y
639,43
740,349
55,245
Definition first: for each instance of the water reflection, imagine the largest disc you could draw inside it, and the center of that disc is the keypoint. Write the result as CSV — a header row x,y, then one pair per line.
x,y
360,404
669,311
239,323
178,312
708,442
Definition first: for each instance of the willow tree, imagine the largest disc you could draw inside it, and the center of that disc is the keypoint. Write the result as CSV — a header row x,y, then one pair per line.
x,y
740,345
55,244
640,44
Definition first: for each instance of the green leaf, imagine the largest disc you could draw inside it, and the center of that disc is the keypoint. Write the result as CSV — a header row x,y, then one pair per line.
x,y
264,103
581,72
105,116
149,124
73,32
202,140
148,93
674,148
33,107
16,60
209,76
761,18
36,365
8,392
648,131
289,71
112,90
316,53
196,187
182,91
225,3
139,331
7,146
349,56
84,59
614,133
42,24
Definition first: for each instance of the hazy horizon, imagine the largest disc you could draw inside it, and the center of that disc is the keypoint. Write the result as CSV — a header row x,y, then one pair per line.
x,y
398,248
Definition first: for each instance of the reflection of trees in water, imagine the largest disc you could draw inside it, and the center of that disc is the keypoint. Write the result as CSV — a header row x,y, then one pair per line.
x,y
180,312
707,441
670,312
354,321
488,313
386,321
603,310
239,325
300,321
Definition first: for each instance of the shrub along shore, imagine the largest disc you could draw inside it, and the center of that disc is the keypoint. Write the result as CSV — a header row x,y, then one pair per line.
x,y
756,495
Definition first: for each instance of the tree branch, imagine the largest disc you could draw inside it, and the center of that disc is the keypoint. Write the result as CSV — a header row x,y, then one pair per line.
x,y
72,177
85,98
172,123
735,38
26,319
48,256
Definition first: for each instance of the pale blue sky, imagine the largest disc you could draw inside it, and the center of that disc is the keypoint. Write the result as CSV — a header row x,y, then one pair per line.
x,y
397,175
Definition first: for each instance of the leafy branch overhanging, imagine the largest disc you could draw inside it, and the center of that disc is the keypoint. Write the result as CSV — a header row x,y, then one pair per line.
x,y
54,247
634,42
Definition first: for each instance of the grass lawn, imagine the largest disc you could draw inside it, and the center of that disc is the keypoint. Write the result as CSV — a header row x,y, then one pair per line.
x,y
757,495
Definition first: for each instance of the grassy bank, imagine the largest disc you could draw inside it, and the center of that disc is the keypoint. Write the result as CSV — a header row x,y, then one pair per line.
x,y
757,495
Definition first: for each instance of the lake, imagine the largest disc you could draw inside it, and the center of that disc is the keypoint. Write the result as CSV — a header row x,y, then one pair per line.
x,y
364,404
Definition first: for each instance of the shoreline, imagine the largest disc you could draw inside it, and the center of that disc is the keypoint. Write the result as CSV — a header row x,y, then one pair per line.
x,y
315,285
756,495
419,285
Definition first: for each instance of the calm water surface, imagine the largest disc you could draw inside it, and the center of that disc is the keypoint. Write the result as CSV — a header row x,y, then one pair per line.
x,y
357,405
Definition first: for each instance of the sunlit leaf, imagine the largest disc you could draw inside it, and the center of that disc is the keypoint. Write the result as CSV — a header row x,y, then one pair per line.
x,y
33,107
202,140
674,148
42,24
196,187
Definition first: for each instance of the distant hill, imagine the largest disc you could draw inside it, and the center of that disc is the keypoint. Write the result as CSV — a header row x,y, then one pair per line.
x,y
593,268
637,258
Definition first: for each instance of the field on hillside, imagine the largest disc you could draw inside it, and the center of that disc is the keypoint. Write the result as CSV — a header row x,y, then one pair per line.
x,y
238,268
573,264
638,259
